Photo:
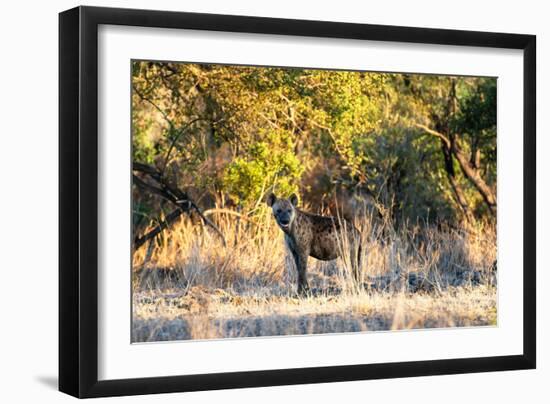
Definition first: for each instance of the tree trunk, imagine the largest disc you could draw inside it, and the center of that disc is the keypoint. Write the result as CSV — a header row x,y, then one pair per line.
x,y
455,185
473,175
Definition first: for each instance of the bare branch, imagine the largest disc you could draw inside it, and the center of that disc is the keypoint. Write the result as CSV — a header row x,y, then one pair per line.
x,y
144,98
209,223
434,133
171,193
180,132
153,189
171,218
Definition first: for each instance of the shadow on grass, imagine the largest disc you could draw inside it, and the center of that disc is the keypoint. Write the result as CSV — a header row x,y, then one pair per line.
x,y
201,327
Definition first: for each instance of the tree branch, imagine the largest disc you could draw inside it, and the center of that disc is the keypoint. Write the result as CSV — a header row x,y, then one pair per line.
x,y
472,173
159,109
171,218
434,133
171,193
179,132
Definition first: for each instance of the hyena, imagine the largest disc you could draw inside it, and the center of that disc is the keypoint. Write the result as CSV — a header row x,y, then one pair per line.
x,y
307,234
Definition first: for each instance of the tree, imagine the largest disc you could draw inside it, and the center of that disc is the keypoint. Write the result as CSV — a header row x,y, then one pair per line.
x,y
465,126
420,145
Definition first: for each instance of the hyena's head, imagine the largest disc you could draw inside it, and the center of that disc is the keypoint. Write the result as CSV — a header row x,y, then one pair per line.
x,y
284,210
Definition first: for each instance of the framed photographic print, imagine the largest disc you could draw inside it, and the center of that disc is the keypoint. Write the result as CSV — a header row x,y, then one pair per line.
x,y
251,201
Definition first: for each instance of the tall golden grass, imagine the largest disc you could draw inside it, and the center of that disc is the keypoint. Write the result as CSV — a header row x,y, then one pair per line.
x,y
187,285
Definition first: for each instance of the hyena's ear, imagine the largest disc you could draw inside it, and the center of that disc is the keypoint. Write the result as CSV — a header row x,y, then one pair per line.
x,y
293,200
271,199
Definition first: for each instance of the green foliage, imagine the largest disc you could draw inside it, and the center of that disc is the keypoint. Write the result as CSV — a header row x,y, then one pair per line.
x,y
238,132
477,122
143,146
269,164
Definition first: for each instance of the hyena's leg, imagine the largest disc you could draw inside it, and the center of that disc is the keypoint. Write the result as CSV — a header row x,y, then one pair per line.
x,y
355,259
300,259
303,286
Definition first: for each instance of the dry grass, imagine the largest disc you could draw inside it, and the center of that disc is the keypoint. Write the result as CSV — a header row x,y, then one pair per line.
x,y
188,286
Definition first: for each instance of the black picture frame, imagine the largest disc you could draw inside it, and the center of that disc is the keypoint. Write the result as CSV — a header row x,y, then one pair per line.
x,y
78,201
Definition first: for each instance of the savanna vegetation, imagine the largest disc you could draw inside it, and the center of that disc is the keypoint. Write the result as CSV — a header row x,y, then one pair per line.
x,y
410,159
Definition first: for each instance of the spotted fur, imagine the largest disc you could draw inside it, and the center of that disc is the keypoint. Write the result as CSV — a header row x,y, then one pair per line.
x,y
307,234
